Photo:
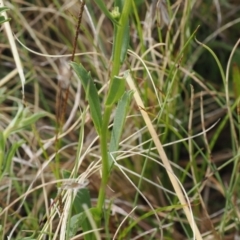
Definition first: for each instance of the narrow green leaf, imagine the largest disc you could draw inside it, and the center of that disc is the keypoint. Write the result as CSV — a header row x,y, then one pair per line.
x,y
91,94
10,155
118,124
14,122
125,42
2,9
236,80
116,90
121,38
30,120
2,18
22,120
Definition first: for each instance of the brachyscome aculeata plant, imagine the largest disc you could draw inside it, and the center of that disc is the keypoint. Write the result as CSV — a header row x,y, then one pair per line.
x,y
116,91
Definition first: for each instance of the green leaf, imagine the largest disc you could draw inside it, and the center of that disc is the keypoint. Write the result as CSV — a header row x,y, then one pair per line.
x,y
22,120
91,94
236,80
96,214
125,42
30,120
3,9
118,124
139,2
116,90
10,154
78,220
66,173
121,38
2,19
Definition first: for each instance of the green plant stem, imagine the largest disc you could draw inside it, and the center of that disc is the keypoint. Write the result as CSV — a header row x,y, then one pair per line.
x,y
118,40
104,152
117,47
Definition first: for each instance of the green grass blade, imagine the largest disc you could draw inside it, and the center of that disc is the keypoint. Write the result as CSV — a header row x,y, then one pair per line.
x,y
125,42
91,94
